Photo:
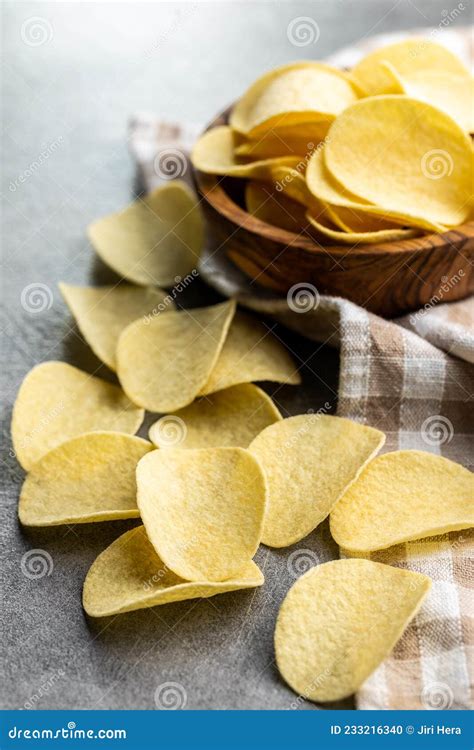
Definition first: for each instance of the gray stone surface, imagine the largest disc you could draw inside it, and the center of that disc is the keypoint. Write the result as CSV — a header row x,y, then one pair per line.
x,y
70,98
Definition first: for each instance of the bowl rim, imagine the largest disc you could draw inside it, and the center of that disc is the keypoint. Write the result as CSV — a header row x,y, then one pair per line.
x,y
211,189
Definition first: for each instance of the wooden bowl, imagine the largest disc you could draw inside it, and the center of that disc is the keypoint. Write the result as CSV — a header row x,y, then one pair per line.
x,y
389,279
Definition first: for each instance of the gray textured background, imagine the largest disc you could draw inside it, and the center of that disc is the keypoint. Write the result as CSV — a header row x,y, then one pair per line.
x,y
71,97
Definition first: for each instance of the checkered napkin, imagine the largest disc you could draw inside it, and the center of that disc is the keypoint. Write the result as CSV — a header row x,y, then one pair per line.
x,y
412,378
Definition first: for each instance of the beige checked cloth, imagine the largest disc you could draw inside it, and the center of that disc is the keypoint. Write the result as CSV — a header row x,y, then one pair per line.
x,y
411,378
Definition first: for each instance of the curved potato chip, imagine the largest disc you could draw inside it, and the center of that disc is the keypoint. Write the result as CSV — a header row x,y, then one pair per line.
x,y
202,509
298,140
454,94
407,57
338,623
88,478
57,402
395,169
129,575
155,239
103,312
230,418
401,496
299,92
330,193
354,221
163,363
214,153
274,208
309,461
381,235
291,182
250,352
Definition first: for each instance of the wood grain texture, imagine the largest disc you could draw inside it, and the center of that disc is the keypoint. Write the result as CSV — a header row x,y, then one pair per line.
x,y
389,278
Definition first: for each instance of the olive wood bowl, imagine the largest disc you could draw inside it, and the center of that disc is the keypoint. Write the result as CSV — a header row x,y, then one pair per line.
x,y
389,278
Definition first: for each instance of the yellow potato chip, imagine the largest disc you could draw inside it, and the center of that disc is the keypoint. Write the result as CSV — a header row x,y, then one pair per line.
x,y
454,94
202,509
129,575
214,153
354,221
380,235
298,140
232,417
401,496
155,239
250,353
292,184
57,402
301,92
407,57
309,461
103,312
339,621
395,169
163,363
88,478
331,194
274,207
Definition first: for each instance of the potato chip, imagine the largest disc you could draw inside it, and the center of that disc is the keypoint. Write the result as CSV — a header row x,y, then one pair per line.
x,y
214,153
202,509
88,478
251,352
274,208
381,235
57,402
164,363
395,169
339,621
454,94
291,183
401,496
298,140
155,239
309,461
103,312
331,194
129,575
355,221
232,417
407,57
301,92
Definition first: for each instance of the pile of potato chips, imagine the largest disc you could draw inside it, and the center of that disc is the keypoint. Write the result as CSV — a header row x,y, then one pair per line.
x,y
222,471
378,153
